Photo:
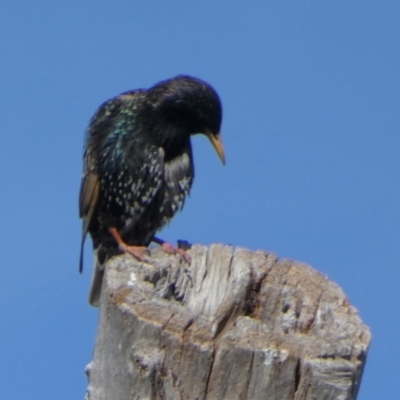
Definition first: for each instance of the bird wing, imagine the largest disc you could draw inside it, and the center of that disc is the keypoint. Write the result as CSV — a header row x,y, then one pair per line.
x,y
88,197
90,184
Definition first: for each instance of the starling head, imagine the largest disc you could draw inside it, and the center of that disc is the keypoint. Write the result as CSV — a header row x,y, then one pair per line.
x,y
186,106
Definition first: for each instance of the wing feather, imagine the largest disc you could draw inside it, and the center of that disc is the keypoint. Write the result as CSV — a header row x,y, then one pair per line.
x,y
89,195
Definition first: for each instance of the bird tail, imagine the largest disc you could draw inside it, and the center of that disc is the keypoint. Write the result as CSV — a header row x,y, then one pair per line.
x,y
97,281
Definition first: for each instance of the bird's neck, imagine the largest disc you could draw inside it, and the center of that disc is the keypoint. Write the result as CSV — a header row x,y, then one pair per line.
x,y
176,146
173,139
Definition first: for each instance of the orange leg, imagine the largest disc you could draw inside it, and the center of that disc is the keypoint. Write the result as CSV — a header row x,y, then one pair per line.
x,y
136,251
170,249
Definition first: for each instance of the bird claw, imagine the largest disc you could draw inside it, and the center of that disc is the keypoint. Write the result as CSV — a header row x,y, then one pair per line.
x,y
135,251
170,249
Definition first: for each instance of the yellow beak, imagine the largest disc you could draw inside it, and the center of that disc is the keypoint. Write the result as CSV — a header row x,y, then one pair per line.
x,y
216,141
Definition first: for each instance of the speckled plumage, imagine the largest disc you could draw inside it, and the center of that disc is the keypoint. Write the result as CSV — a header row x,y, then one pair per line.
x,y
138,165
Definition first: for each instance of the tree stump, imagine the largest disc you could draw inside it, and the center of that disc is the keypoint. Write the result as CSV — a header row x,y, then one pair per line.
x,y
235,324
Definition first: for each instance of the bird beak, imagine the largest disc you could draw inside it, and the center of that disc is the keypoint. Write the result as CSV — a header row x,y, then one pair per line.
x,y
216,141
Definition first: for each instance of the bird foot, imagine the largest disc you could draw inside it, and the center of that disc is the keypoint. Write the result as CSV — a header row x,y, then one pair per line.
x,y
170,249
135,251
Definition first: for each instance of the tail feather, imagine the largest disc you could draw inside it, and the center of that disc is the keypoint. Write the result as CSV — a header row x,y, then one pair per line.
x,y
97,282
81,255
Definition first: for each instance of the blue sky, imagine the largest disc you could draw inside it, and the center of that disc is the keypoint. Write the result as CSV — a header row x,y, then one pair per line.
x,y
311,95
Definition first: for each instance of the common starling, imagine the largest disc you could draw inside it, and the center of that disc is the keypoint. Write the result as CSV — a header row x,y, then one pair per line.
x,y
138,166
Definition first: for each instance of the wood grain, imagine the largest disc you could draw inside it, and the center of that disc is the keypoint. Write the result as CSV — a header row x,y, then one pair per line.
x,y
235,324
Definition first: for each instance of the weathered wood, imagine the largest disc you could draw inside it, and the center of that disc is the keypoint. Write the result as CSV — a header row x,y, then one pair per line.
x,y
234,325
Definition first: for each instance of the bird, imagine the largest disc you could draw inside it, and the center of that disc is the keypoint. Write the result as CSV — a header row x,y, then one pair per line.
x,y
138,166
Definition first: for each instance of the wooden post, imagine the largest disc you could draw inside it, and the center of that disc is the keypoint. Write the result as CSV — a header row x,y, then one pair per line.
x,y
235,324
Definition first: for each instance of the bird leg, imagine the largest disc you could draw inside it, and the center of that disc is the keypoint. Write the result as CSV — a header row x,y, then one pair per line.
x,y
170,249
136,251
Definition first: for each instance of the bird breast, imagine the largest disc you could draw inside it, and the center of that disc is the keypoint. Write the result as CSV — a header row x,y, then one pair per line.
x,y
178,179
